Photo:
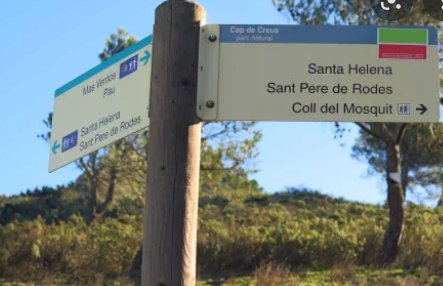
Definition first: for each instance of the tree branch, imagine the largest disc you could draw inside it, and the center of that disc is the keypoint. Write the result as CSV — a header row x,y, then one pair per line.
x,y
210,136
401,133
109,194
369,131
139,196
81,164
386,133
202,168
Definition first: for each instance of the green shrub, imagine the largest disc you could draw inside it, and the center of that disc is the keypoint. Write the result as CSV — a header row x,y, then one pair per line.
x,y
294,230
72,249
422,241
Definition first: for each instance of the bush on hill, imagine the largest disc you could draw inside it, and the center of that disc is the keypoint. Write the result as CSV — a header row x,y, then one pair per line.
x,y
297,229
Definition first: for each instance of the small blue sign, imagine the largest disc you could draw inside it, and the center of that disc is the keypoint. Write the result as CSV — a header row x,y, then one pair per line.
x,y
129,66
70,141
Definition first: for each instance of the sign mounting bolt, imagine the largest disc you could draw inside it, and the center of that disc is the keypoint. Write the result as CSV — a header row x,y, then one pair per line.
x,y
210,104
212,38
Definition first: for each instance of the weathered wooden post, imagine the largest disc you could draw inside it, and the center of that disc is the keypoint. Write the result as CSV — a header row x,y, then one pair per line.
x,y
170,229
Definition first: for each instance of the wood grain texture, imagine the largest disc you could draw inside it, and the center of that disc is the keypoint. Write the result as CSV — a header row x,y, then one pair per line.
x,y
170,229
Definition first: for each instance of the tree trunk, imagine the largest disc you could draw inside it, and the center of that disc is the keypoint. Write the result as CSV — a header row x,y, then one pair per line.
x,y
136,267
92,202
396,207
109,194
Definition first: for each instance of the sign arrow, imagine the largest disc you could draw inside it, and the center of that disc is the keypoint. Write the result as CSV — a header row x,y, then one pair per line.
x,y
145,59
55,147
422,108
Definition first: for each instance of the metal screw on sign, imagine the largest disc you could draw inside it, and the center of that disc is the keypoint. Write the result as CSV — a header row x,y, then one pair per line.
x,y
210,104
212,38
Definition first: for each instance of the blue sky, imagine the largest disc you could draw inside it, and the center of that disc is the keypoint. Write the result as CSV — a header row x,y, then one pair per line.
x,y
51,42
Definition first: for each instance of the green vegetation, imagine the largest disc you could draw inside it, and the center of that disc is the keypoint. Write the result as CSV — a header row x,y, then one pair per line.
x,y
296,237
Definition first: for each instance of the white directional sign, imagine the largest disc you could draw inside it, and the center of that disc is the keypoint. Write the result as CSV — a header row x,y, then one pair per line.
x,y
319,73
101,106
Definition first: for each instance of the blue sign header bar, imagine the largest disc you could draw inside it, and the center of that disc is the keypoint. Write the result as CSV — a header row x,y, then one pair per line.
x,y
104,65
363,35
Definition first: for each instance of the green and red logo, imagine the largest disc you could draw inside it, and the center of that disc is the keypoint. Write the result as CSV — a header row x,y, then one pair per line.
x,y
410,44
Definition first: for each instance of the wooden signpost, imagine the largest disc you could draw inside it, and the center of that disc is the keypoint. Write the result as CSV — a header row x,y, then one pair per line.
x,y
262,73
237,72
170,230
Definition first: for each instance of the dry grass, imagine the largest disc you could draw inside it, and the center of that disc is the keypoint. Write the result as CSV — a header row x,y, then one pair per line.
x,y
343,270
272,274
385,280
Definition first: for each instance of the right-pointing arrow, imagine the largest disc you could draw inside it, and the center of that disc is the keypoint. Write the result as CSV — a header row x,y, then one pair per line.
x,y
145,59
422,108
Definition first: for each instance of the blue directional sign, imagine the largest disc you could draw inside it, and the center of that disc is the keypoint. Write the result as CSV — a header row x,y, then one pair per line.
x,y
129,66
105,104
69,141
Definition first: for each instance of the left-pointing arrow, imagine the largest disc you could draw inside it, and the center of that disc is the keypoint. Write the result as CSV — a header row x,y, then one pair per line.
x,y
145,59
55,147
